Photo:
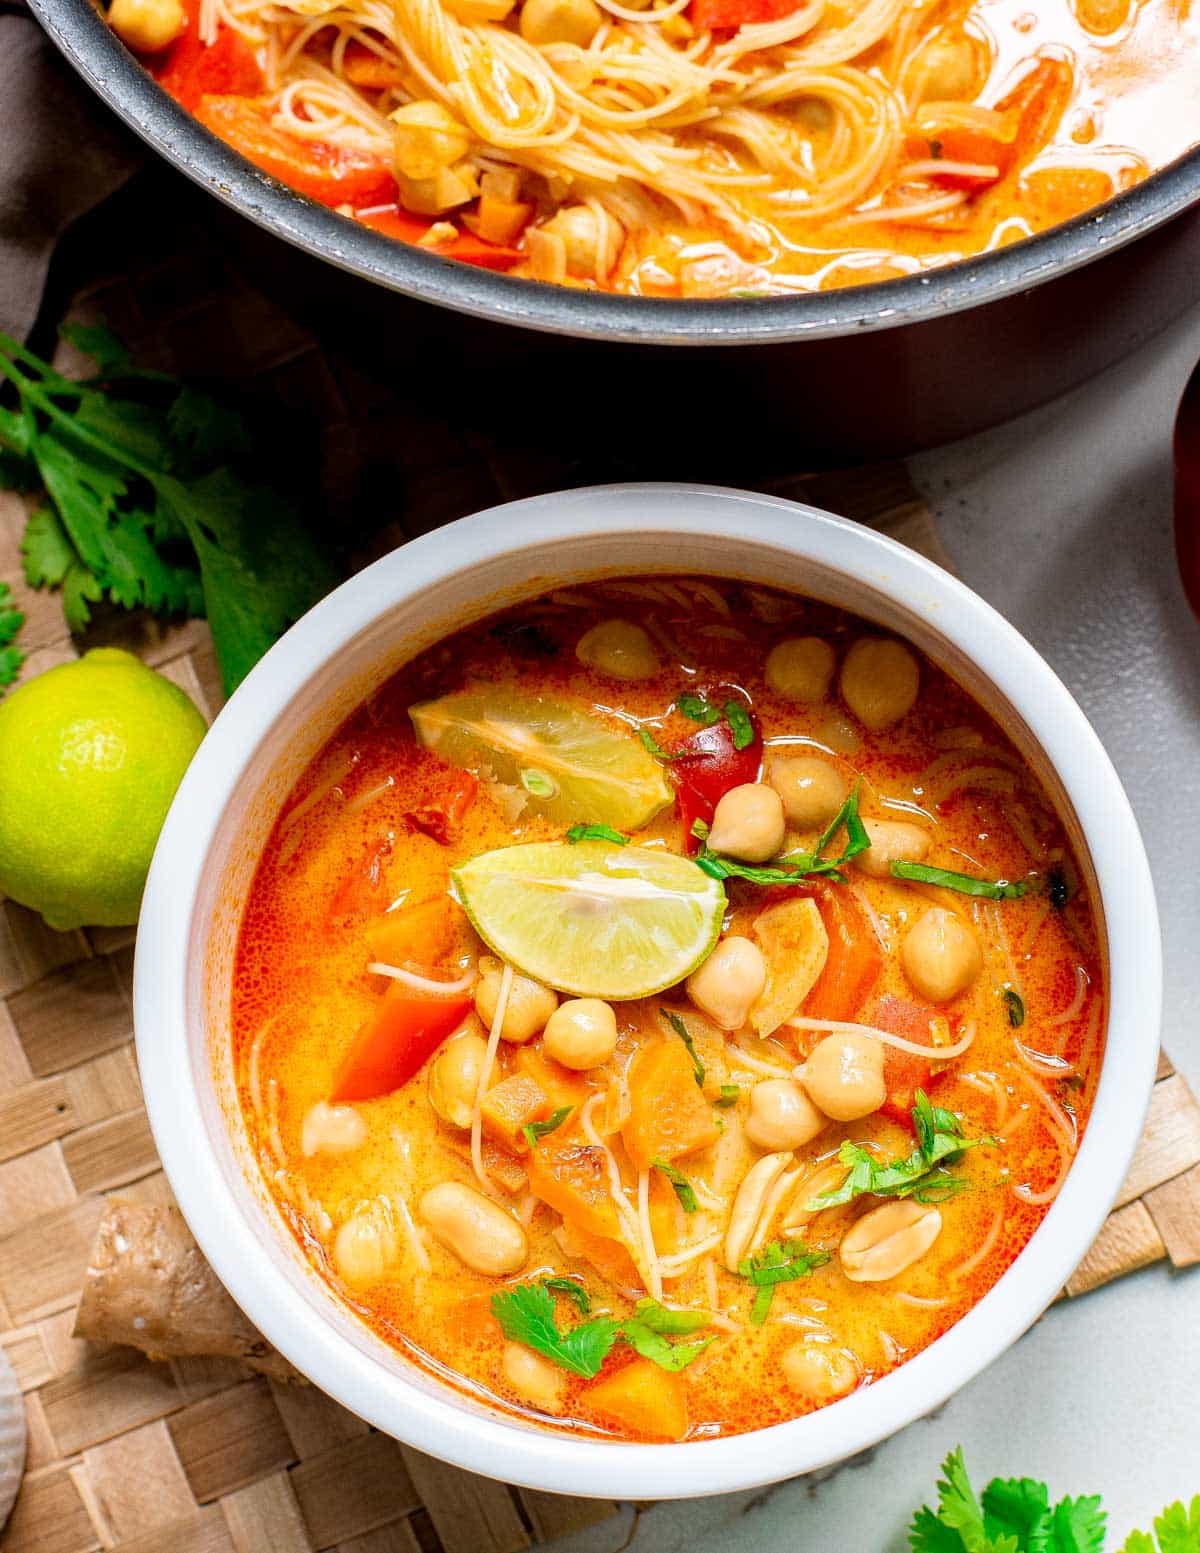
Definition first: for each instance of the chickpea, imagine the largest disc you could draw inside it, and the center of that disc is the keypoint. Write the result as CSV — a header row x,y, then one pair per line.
x,y
812,789
147,26
892,841
748,823
880,679
941,955
331,1129
427,138
365,1246
560,21
619,650
454,1078
844,1076
800,668
951,71
730,982
529,1005
474,1229
889,1239
534,1379
581,1033
781,1115
818,1371
591,239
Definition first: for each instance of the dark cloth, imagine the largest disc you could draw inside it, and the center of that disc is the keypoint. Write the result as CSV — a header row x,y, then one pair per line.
x,y
61,153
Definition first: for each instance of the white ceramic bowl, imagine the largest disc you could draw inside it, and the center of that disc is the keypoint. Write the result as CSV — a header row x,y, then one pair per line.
x,y
351,643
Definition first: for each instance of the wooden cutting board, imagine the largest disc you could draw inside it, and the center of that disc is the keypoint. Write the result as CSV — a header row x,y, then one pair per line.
x,y
199,1455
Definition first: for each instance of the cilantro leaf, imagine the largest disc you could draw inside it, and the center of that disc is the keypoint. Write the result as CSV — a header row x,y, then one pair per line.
x,y
1177,1530
698,709
780,1262
965,884
572,1290
644,1340
1013,1515
1018,1508
1078,1524
682,1186
675,1323
684,1034
526,1315
579,833
740,725
929,1534
80,590
921,1175
99,343
11,621
536,1131
46,553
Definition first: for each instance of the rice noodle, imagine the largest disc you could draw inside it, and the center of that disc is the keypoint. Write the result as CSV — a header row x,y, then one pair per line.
x,y
872,916
631,1228
485,1076
779,1069
673,1265
444,989
411,1233
914,1048
649,1251
1075,1006
920,1300
1041,1062
355,805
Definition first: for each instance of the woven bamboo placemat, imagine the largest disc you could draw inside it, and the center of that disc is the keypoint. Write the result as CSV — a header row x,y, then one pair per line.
x,y
201,1455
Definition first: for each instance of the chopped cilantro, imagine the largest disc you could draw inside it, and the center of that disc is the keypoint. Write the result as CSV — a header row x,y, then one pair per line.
x,y
729,1095
796,866
740,725
783,1261
11,621
683,1187
922,1175
656,749
965,884
535,1131
526,1315
681,1030
572,1290
698,709
1016,1007
579,833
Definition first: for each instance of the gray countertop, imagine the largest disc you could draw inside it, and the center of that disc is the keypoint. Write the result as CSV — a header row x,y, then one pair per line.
x,y
1063,521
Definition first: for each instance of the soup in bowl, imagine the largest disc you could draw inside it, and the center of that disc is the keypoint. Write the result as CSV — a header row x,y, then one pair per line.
x,y
624,1008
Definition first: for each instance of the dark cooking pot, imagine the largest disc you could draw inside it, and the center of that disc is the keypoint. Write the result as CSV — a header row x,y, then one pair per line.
x,y
829,376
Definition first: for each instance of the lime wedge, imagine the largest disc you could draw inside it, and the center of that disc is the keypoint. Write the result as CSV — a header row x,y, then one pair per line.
x,y
594,919
569,764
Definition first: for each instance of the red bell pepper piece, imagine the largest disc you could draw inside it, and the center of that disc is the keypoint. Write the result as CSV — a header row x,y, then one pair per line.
x,y
905,1072
707,764
397,1040
716,15
468,248
329,174
1187,491
191,69
854,961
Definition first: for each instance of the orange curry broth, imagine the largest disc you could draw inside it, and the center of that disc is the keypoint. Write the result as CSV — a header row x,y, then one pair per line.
x,y
345,847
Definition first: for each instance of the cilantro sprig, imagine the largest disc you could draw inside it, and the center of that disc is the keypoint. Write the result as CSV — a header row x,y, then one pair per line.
x,y
796,866
684,1034
527,1315
964,884
147,504
536,1131
783,1261
921,1175
11,621
1015,1515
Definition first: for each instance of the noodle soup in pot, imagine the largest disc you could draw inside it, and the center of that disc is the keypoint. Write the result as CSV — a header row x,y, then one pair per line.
x,y
665,1007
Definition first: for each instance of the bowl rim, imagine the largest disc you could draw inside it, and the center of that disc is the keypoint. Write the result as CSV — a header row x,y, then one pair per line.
x,y
435,1421
81,34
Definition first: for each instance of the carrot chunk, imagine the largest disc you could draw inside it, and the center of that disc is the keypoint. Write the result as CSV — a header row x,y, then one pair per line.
x,y
560,1086
420,933
573,1179
510,1105
645,1400
669,1116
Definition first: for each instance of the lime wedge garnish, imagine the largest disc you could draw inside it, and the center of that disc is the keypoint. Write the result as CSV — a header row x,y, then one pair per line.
x,y
569,764
594,919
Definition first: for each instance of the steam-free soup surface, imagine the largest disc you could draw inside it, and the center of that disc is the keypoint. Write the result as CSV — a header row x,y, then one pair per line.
x,y
666,1007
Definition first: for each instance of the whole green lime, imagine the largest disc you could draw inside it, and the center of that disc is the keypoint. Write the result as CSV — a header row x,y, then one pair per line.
x,y
91,754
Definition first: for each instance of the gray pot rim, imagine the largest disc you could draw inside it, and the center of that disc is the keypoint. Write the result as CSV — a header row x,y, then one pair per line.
x,y
86,41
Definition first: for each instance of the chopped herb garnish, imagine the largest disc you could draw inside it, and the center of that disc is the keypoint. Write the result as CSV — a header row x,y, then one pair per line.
x,y
729,1096
681,1030
683,1187
739,725
572,1290
700,829
11,621
1014,1515
698,709
1016,1007
656,748
1057,888
780,1262
535,1131
526,1315
597,833
922,1175
796,866
965,884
